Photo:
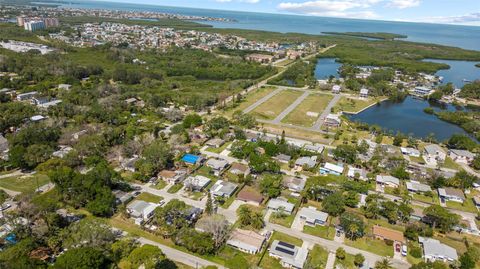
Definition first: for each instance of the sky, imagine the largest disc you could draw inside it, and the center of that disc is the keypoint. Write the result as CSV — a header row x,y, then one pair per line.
x,y
466,12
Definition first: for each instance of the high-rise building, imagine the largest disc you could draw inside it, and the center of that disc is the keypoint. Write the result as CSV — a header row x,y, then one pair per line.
x,y
51,22
20,21
34,25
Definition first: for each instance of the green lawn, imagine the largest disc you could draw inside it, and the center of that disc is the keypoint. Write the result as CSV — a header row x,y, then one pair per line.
x,y
284,221
220,149
372,245
426,199
347,263
250,99
237,259
317,258
326,232
314,103
450,164
24,184
160,185
275,105
175,188
353,105
148,197
466,206
419,160
287,238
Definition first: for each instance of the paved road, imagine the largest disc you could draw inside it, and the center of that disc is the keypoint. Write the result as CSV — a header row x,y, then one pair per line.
x,y
318,124
180,256
262,100
330,260
291,107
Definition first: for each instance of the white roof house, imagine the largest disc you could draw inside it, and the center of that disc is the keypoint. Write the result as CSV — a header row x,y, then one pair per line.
x,y
141,209
295,184
461,156
314,148
415,186
280,205
433,250
333,120
290,255
451,194
330,168
246,241
336,88
197,182
223,188
410,152
434,153
312,216
306,161
364,92
353,172
217,164
388,180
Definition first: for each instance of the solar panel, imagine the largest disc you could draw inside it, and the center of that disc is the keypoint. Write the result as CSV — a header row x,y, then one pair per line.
x,y
286,251
286,244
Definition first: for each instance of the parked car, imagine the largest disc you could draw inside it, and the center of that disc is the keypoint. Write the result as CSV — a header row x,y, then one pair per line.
x,y
404,250
398,247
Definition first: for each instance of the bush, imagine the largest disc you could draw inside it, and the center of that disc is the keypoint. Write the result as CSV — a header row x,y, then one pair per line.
x,y
416,252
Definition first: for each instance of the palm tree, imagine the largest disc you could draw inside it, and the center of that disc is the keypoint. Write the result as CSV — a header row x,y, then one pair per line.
x,y
383,264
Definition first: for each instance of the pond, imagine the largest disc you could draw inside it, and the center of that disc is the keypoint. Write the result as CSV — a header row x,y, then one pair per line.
x,y
458,72
408,118
327,67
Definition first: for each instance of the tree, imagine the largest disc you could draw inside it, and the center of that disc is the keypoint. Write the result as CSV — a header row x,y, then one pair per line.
x,y
209,205
88,233
333,204
122,248
441,218
192,120
460,141
384,263
466,261
352,224
351,199
156,157
82,258
346,153
430,265
146,256
359,259
271,185
340,253
218,227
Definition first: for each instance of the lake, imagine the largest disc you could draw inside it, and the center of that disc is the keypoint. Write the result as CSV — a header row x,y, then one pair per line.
x,y
459,70
408,117
453,35
327,67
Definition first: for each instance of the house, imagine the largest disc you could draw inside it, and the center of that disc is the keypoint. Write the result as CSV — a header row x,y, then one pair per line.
x,y
332,120
141,210
37,118
223,188
129,164
383,233
336,89
363,93
3,144
217,165
357,173
417,214
433,250
294,184
191,159
215,142
331,169
314,148
260,58
434,153
417,187
62,152
461,156
410,152
422,91
290,255
49,104
279,205
308,162
250,196
172,177
451,194
388,181
26,96
246,241
122,197
312,216
196,183
283,158
239,169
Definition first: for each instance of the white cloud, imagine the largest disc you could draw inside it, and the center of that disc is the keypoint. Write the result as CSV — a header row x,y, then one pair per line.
x,y
332,8
404,3
471,18
242,1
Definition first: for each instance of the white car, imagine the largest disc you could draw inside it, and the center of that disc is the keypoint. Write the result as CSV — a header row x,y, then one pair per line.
x,y
404,250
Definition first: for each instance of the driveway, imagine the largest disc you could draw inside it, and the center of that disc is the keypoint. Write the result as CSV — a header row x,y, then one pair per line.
x,y
298,223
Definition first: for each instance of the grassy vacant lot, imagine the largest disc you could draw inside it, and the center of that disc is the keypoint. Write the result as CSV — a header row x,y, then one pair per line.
x,y
148,197
353,105
285,220
175,188
24,183
297,133
326,232
250,99
317,258
347,263
219,149
466,206
372,245
275,105
313,103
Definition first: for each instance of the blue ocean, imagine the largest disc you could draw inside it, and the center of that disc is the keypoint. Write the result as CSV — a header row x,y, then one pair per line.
x,y
467,37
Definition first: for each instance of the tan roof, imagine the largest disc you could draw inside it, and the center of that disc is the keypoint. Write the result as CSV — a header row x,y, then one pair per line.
x,y
248,237
388,234
239,166
249,194
167,174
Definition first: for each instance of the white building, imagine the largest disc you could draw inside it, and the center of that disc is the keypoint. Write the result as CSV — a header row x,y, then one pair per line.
x,y
434,153
279,205
141,210
353,172
223,188
331,169
461,156
389,181
312,216
363,93
333,120
196,183
290,255
433,250
246,241
451,194
417,187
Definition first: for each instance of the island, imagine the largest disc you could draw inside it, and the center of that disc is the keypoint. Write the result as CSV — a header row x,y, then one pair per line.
x,y
377,35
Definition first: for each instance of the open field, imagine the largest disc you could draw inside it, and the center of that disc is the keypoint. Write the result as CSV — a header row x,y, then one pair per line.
x,y
314,103
275,105
250,99
297,133
371,245
148,197
317,258
351,105
24,183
